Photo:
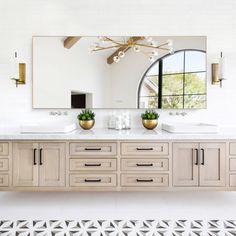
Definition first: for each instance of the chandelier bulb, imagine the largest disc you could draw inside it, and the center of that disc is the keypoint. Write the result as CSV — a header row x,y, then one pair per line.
x,y
136,48
121,54
116,59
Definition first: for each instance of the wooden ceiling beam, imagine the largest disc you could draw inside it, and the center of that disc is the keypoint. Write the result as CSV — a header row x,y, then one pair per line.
x,y
124,49
71,41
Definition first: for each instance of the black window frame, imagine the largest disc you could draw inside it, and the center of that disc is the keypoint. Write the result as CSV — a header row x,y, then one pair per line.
x,y
160,78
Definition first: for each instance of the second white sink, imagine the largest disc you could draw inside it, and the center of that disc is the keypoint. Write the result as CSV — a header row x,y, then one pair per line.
x,y
190,128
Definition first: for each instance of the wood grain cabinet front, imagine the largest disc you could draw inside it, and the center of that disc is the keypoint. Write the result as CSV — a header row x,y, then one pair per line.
x,y
38,164
4,149
4,164
4,180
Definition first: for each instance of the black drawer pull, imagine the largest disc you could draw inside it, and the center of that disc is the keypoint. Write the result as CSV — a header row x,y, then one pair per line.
x,y
92,149
35,163
144,180
40,156
144,149
203,156
148,164
91,164
196,150
92,180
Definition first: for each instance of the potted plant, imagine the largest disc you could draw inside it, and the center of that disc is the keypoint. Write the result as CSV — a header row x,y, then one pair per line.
x,y
150,119
86,119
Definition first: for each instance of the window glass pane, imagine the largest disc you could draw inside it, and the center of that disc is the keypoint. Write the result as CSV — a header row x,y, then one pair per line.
x,y
173,63
154,70
195,61
172,102
195,101
172,84
149,86
195,83
148,102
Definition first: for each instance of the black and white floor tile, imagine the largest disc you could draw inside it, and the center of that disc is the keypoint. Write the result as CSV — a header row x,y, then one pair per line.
x,y
117,227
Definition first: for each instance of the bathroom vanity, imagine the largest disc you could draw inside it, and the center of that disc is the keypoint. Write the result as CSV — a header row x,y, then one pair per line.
x,y
105,160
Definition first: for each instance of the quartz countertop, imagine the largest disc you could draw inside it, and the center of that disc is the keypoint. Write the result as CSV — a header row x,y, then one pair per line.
x,y
105,134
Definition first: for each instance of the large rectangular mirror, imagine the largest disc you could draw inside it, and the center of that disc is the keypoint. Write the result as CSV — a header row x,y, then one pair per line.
x,y
119,72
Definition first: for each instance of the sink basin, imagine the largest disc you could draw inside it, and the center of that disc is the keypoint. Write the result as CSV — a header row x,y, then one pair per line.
x,y
49,128
190,128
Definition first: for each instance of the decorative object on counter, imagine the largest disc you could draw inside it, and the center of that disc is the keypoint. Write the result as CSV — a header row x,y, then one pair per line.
x,y
86,119
119,120
19,71
150,119
218,71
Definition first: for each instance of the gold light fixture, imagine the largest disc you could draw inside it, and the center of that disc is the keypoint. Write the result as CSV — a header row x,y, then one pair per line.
x,y
20,73
218,71
146,45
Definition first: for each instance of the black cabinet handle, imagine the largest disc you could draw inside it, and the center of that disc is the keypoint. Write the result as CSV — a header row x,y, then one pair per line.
x,y
203,156
92,149
92,180
148,164
144,180
144,149
35,163
40,156
91,164
196,150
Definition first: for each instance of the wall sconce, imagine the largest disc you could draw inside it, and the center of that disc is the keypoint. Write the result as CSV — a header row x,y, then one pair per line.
x,y
218,71
19,72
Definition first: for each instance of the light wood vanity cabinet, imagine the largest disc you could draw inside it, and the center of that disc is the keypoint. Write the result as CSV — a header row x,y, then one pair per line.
x,y
199,164
38,164
117,165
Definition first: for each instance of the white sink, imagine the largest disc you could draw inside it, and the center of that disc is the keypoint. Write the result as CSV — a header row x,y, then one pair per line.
x,y
190,128
49,128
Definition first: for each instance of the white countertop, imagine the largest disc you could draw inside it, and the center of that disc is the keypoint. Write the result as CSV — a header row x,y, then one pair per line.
x,y
103,134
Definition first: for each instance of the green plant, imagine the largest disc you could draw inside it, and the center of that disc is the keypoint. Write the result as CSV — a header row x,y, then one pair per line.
x,y
86,114
150,115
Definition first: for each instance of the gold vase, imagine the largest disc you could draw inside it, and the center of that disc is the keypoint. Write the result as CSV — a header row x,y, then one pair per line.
x,y
150,124
86,124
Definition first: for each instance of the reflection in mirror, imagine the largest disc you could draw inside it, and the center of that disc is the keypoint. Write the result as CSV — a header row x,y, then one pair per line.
x,y
119,72
175,81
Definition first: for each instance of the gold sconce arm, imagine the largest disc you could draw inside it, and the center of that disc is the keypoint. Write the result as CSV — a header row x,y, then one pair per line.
x,y
22,75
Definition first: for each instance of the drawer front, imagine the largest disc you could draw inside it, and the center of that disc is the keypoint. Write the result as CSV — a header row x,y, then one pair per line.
x,y
92,180
141,149
4,180
92,164
148,180
85,149
161,164
4,149
232,180
232,164
4,164
232,148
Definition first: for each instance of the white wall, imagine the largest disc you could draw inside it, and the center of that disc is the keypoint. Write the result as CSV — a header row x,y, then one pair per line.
x,y
20,20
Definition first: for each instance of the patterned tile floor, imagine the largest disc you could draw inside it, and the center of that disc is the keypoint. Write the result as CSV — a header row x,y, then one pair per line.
x,y
117,227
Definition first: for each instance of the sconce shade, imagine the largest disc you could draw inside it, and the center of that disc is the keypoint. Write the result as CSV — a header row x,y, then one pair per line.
x,y
215,73
222,68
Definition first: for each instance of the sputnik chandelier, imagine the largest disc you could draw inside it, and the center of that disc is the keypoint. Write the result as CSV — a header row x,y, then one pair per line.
x,y
145,45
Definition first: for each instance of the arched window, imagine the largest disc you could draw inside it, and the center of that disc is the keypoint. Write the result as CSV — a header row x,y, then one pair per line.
x,y
175,81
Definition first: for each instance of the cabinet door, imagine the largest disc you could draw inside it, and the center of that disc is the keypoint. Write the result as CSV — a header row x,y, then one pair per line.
x,y
25,168
185,164
52,164
212,164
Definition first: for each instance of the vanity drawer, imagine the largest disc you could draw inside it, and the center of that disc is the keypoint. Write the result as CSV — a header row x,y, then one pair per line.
x,y
232,164
92,164
141,149
93,180
4,149
83,149
148,180
4,165
161,164
232,148
4,180
232,180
